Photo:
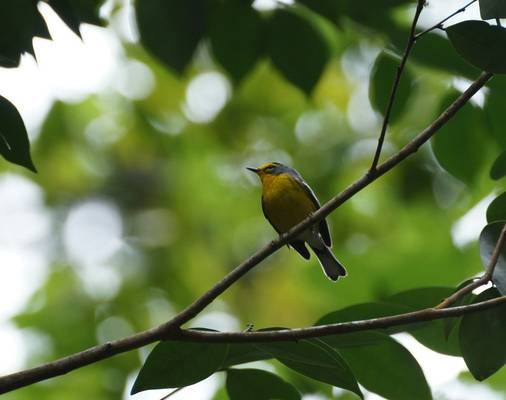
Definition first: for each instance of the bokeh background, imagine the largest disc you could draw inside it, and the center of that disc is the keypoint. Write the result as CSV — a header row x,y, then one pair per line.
x,y
142,201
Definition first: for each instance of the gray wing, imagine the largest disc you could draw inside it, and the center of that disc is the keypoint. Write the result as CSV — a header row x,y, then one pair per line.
x,y
323,227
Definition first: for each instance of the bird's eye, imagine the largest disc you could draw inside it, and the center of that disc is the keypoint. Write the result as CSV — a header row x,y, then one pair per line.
x,y
269,168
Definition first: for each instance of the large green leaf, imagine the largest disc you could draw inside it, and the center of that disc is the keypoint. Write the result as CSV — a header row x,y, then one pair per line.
x,y
450,323
380,365
74,12
255,384
494,109
498,169
20,21
380,85
496,211
175,364
314,359
299,46
488,240
480,44
240,353
14,144
239,51
491,9
461,145
483,338
360,312
171,29
431,334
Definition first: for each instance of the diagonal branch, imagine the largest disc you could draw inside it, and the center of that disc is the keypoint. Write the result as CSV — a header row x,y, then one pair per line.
x,y
395,85
484,279
103,351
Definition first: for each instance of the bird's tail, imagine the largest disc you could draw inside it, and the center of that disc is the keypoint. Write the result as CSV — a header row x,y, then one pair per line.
x,y
331,266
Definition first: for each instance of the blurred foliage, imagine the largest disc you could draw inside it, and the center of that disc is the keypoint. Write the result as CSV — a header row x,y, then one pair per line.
x,y
190,211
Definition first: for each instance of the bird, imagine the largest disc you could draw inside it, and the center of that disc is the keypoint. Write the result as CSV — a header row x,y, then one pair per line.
x,y
287,200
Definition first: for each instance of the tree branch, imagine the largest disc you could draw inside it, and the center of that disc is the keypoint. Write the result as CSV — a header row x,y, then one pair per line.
x,y
103,351
439,25
395,85
428,314
484,279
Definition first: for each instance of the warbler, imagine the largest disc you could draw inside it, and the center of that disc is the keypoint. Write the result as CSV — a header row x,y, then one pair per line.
x,y
287,200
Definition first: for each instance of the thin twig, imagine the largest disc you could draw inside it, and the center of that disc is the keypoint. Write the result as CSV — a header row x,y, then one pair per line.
x,y
439,25
484,279
395,85
172,393
103,351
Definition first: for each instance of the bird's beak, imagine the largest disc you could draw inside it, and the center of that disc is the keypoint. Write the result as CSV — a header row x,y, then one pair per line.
x,y
255,170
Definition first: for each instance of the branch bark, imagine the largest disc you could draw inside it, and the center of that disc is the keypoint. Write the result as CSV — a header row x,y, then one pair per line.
x,y
428,314
395,85
103,351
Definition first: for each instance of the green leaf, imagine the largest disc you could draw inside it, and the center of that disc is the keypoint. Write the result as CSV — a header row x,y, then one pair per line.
x,y
436,51
482,338
496,211
176,364
380,85
75,12
480,44
461,146
494,109
491,9
298,46
171,29
498,169
450,323
237,52
362,311
240,353
314,359
488,240
255,384
20,21
380,365
420,298
14,144
431,333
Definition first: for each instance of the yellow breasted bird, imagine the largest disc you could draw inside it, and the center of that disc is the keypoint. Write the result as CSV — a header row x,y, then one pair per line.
x,y
287,200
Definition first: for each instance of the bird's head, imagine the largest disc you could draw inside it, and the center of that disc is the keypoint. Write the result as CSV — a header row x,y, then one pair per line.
x,y
269,169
